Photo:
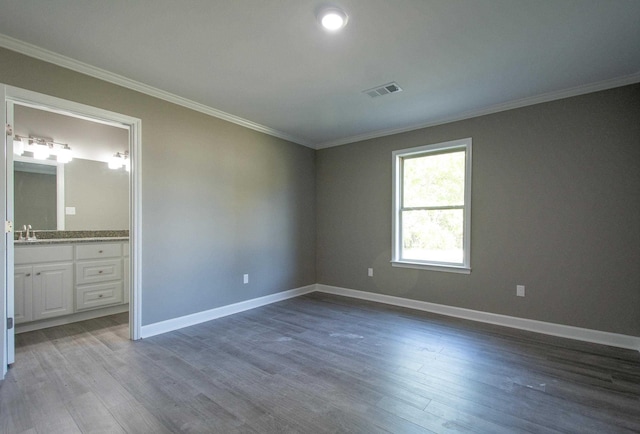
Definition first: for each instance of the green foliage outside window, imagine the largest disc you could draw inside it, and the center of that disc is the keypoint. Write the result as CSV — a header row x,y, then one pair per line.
x,y
432,208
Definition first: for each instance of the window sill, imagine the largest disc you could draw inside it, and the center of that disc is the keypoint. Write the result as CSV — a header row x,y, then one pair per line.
x,y
431,267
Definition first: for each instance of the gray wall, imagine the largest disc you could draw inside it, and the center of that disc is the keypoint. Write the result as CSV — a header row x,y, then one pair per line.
x,y
555,207
218,200
99,194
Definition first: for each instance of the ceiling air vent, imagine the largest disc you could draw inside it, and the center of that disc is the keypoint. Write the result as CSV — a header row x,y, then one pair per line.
x,y
385,89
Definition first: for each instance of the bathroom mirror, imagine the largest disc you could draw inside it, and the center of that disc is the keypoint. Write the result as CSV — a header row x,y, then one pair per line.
x,y
35,195
82,195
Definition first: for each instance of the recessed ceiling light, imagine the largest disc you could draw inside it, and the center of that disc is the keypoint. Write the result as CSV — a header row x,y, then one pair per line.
x,y
332,18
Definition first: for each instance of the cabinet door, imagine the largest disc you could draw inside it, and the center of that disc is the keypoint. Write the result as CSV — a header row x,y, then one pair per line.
x,y
23,286
52,290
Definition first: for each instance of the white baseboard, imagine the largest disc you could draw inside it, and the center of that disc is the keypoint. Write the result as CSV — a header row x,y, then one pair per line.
x,y
577,333
570,332
208,315
76,317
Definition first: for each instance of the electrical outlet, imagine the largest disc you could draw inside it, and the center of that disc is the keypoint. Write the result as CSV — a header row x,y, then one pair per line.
x,y
370,272
520,290
246,278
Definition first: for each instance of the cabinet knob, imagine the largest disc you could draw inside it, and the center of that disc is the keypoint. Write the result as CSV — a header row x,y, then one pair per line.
x,y
38,273
100,272
100,296
99,251
28,274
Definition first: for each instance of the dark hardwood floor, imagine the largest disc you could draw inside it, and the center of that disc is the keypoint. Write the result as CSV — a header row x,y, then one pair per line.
x,y
316,364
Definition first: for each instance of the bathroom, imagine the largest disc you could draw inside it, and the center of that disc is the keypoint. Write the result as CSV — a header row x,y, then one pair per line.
x,y
71,184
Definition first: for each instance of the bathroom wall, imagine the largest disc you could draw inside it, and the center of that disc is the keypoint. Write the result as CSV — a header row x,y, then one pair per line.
x,y
99,195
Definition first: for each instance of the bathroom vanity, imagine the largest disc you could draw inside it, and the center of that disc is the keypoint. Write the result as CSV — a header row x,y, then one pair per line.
x,y
69,280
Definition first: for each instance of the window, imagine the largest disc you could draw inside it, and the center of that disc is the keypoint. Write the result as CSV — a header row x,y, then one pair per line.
x,y
432,207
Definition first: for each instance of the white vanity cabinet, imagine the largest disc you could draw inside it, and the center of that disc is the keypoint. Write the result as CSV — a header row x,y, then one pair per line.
x,y
43,282
64,279
98,275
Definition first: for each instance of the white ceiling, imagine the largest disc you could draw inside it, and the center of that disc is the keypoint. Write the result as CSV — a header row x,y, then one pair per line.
x,y
268,65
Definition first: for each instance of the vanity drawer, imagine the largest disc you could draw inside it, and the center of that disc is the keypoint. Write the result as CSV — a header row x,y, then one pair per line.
x,y
98,271
98,251
38,254
99,295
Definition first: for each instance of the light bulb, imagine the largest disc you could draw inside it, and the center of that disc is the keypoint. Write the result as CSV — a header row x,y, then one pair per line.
x,y
64,154
40,151
115,162
18,146
333,19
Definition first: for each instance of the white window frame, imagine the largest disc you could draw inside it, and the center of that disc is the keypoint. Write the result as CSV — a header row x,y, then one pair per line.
x,y
398,158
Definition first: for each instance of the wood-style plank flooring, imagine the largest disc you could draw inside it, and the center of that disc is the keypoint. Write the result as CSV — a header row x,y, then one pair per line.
x,y
316,364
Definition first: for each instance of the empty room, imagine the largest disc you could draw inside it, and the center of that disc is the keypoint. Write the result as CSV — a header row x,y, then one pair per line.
x,y
304,217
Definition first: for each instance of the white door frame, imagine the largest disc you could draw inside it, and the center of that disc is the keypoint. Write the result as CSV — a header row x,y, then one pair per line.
x,y
13,95
9,274
3,244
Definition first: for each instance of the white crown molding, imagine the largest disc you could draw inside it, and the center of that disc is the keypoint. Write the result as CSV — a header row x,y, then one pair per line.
x,y
219,312
546,97
564,331
84,68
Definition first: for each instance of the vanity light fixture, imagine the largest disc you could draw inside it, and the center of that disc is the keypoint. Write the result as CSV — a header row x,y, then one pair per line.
x,y
119,160
42,148
116,161
332,18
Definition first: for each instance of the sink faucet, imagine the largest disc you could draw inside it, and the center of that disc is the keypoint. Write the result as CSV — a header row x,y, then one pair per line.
x,y
29,233
32,236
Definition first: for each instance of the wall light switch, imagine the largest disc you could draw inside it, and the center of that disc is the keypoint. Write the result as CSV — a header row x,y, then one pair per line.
x,y
70,210
370,272
520,290
246,278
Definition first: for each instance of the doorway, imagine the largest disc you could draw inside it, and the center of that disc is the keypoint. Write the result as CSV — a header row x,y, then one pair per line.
x,y
21,100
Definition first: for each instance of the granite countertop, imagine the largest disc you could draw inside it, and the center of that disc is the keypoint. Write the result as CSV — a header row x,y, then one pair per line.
x,y
69,241
72,237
